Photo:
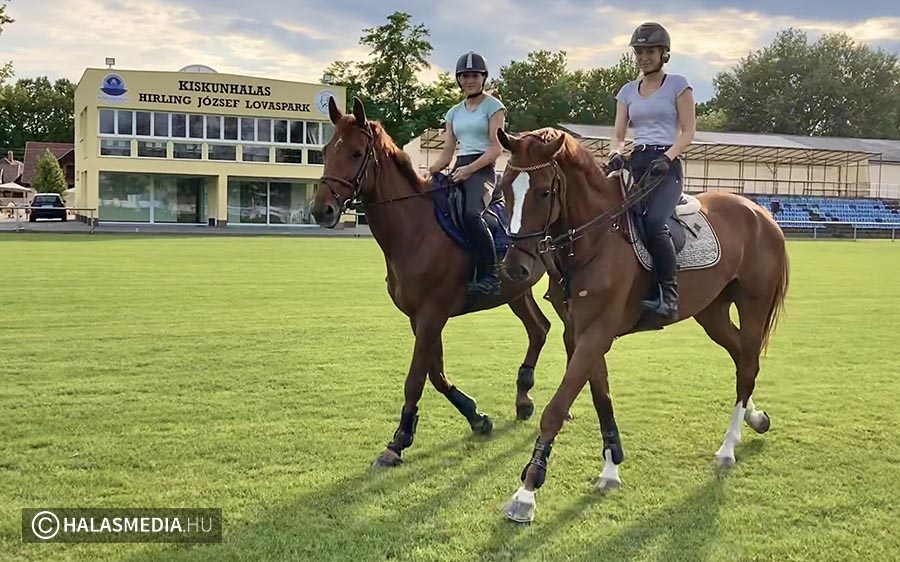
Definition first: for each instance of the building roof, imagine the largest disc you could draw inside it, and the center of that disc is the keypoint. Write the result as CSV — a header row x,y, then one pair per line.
x,y
33,151
761,146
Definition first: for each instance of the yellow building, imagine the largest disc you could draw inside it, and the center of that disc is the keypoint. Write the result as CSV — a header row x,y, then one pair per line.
x,y
199,147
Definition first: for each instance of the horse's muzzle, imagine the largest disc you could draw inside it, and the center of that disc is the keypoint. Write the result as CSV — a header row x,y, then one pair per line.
x,y
326,216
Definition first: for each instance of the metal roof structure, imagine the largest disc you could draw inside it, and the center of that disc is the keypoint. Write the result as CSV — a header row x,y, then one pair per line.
x,y
788,149
739,147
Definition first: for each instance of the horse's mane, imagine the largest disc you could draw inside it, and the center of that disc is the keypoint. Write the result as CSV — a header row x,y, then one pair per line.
x,y
572,153
385,143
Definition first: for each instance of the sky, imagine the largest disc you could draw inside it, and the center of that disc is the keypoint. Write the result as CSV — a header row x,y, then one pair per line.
x,y
297,39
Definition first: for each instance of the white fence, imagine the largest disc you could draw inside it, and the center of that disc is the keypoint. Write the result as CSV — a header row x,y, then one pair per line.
x,y
22,216
839,229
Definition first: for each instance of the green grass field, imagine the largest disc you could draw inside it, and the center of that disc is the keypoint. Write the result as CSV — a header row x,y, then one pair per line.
x,y
263,375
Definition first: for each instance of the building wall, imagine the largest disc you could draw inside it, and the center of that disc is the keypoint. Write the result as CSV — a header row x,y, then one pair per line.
x,y
174,132
886,180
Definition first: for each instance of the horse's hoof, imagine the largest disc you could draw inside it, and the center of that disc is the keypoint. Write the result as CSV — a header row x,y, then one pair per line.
x,y
759,422
608,484
524,411
387,459
521,507
725,461
484,425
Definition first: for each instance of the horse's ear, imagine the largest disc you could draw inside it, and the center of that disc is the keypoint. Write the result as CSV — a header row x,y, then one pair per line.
x,y
359,112
509,142
550,149
333,111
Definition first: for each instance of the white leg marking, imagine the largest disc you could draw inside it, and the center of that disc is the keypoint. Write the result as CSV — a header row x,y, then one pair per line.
x,y
609,478
520,188
725,454
759,421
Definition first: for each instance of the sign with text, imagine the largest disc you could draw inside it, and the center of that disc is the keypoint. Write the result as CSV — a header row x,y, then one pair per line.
x,y
111,525
208,93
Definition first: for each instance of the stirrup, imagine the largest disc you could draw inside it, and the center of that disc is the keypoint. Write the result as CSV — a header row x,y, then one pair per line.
x,y
487,285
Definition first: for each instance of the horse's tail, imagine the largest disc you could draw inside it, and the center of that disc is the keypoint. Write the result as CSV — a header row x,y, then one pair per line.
x,y
776,309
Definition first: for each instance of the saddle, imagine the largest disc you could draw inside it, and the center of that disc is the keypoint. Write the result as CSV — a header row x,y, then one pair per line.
x,y
696,243
449,206
681,222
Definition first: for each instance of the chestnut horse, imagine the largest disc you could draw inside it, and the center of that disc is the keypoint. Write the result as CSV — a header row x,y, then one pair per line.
x,y
573,219
426,270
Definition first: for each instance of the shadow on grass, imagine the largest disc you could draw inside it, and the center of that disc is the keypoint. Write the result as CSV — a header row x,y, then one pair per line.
x,y
374,514
683,531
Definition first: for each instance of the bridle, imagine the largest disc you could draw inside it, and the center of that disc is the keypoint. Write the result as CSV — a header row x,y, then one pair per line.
x,y
355,185
548,243
555,183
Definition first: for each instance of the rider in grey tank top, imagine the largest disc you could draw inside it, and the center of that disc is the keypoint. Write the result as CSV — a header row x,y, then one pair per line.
x,y
663,120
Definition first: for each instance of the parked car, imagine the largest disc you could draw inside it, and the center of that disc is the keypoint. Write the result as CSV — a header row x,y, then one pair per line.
x,y
50,206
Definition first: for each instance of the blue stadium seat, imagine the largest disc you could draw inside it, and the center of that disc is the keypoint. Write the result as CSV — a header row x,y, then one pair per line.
x,y
795,209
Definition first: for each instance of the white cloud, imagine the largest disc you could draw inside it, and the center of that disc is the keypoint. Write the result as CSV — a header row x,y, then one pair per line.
x,y
298,40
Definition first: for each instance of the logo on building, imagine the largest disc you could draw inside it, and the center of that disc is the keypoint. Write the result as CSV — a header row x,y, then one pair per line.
x,y
322,101
112,88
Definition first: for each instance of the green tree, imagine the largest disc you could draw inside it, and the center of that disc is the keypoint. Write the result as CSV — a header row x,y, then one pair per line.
x,y
399,51
833,87
540,91
6,71
595,91
387,81
435,100
49,177
34,109
537,92
711,120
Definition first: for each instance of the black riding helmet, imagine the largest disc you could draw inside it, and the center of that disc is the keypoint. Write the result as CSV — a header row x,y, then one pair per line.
x,y
652,34
471,62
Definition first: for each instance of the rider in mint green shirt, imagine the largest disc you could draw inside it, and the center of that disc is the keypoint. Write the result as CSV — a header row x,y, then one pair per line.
x,y
471,132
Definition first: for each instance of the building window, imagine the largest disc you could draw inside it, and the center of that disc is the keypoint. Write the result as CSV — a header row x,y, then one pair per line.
x,y
231,128
196,126
190,151
264,130
255,153
107,122
179,125
142,124
281,130
296,132
115,147
160,124
124,124
327,132
289,155
213,127
312,133
152,149
124,197
314,157
248,129
222,152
